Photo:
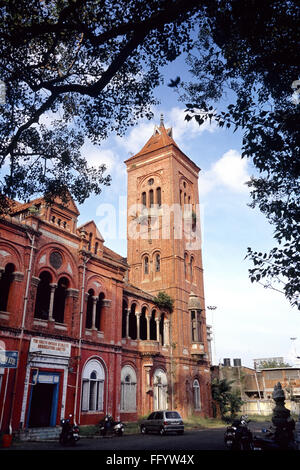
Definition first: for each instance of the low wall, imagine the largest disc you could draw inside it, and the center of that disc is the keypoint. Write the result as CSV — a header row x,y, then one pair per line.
x,y
265,407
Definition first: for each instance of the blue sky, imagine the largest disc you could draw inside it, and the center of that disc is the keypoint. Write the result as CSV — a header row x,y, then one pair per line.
x,y
250,321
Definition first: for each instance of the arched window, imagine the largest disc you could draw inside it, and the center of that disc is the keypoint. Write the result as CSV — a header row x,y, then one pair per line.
x,y
96,248
60,300
146,265
151,198
89,309
192,268
161,338
185,264
5,284
99,312
90,241
143,324
128,389
144,199
132,322
158,196
42,301
160,392
157,262
153,331
93,377
196,393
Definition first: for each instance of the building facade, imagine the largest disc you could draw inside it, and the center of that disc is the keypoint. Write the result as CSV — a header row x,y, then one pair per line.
x,y
81,332
256,386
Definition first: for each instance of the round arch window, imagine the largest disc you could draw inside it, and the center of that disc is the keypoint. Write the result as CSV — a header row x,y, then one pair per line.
x,y
56,259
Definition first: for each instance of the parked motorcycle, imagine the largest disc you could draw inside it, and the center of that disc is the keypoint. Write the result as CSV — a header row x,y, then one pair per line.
x,y
238,435
109,426
275,439
70,432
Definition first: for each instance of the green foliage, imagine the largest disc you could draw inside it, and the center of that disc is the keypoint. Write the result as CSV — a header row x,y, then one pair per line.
x,y
226,398
235,402
246,52
77,70
272,364
164,302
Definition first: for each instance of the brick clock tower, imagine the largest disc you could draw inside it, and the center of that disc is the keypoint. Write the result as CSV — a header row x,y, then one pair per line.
x,y
164,254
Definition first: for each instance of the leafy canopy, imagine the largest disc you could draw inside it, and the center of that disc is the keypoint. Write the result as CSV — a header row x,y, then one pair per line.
x,y
77,69
251,52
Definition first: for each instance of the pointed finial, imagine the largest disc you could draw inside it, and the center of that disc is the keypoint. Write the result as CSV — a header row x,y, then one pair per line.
x,y
161,120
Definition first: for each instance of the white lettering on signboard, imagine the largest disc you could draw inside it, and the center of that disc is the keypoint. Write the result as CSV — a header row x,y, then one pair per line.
x,y
50,347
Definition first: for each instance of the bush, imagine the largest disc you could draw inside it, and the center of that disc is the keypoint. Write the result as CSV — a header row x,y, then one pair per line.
x,y
164,302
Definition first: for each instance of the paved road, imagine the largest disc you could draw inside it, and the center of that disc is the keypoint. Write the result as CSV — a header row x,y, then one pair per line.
x,y
192,440
211,439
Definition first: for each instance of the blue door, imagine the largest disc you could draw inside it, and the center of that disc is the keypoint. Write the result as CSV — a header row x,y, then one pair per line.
x,y
43,400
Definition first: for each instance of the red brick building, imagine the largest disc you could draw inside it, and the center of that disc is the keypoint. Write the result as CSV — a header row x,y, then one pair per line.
x,y
89,337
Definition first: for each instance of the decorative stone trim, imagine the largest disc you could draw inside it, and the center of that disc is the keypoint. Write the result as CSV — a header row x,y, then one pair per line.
x,y
59,326
4,315
40,322
35,281
73,293
17,276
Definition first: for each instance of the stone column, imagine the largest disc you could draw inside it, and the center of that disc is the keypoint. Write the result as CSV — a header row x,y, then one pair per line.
x,y
148,327
138,317
167,332
195,326
53,286
127,322
94,312
148,368
157,320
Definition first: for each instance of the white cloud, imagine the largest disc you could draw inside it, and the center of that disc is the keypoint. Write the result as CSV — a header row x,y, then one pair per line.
x,y
96,157
136,138
229,171
182,130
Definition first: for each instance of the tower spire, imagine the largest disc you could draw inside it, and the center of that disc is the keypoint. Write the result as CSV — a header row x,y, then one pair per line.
x,y
161,120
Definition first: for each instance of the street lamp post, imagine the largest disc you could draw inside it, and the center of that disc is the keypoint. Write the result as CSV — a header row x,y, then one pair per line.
x,y
212,308
295,353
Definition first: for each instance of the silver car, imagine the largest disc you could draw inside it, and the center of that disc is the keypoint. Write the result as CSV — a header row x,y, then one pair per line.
x,y
163,422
